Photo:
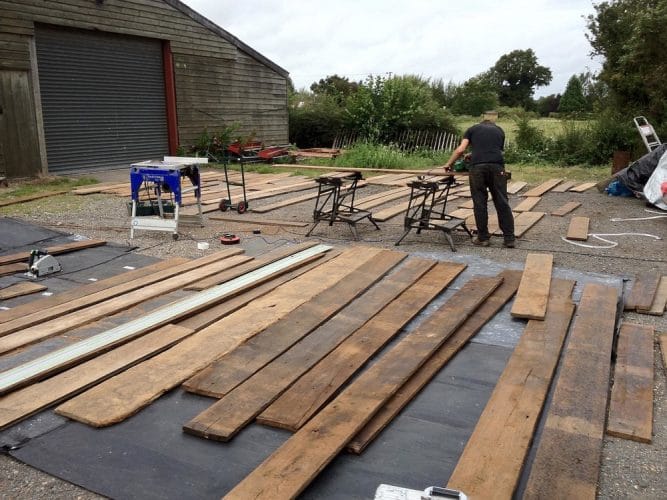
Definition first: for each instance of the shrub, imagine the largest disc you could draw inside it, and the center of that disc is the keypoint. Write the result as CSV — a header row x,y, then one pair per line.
x,y
610,132
314,120
370,155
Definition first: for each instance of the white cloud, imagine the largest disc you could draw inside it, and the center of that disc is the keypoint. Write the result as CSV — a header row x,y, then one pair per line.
x,y
433,38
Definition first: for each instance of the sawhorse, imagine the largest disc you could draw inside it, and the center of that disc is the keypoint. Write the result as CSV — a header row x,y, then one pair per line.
x,y
335,205
427,206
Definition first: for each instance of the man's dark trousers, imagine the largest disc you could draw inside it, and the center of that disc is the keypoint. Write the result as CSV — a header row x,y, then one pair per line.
x,y
490,176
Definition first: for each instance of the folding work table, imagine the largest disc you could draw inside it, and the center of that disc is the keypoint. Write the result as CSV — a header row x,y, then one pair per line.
x,y
427,206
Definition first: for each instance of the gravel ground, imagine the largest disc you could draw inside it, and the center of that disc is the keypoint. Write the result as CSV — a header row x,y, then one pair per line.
x,y
629,469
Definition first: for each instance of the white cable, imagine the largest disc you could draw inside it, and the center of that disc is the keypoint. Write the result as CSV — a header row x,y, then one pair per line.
x,y
611,244
660,216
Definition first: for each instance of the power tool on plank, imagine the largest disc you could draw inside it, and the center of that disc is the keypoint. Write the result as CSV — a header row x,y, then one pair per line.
x,y
42,263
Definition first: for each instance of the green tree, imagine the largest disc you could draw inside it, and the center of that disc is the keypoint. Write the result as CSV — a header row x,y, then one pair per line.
x,y
631,37
548,104
337,87
474,96
573,100
516,76
314,120
383,108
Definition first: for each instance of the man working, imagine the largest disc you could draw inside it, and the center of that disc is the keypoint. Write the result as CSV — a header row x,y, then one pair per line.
x,y
487,172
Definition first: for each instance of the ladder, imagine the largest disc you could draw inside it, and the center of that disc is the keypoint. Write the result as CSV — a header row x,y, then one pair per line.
x,y
646,130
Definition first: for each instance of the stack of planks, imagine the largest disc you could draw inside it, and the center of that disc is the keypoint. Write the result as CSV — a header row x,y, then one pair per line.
x,y
214,187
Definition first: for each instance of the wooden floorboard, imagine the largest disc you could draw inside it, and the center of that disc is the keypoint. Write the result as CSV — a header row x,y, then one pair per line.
x,y
435,363
516,186
237,408
527,204
23,199
114,305
491,463
387,213
566,208
53,250
288,471
543,188
260,261
644,289
660,299
532,298
251,222
16,267
567,460
582,187
20,289
231,370
25,402
523,222
564,186
123,395
631,405
215,313
578,229
316,387
284,203
366,205
50,310
85,290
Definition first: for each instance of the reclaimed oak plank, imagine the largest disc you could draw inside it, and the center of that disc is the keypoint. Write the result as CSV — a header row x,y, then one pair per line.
x,y
533,294
543,188
122,396
99,310
231,370
631,405
644,290
435,363
25,402
237,408
527,204
491,463
578,229
260,261
85,290
567,460
53,250
316,387
19,289
566,208
288,471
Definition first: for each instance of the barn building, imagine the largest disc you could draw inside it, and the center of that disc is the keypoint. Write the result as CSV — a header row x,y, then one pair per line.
x,y
93,84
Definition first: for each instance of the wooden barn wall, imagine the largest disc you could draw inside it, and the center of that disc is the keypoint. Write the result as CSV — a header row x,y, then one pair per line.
x,y
216,83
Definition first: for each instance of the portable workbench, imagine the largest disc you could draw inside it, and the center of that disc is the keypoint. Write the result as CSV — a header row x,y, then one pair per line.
x,y
164,181
427,206
333,204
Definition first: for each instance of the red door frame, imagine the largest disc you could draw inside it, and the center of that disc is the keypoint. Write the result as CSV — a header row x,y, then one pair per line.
x,y
170,95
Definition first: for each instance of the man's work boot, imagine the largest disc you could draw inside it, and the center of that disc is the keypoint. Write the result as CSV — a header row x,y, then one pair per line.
x,y
509,243
480,243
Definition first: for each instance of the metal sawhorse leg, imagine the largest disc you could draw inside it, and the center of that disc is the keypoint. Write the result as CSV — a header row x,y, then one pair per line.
x,y
335,205
427,206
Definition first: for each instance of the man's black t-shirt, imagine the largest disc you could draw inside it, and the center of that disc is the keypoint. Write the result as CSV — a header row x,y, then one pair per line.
x,y
487,141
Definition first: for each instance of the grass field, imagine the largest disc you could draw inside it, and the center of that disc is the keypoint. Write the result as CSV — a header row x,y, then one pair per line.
x,y
550,126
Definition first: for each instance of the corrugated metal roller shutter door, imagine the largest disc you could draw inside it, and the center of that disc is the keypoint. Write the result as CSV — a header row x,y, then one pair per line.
x,y
103,99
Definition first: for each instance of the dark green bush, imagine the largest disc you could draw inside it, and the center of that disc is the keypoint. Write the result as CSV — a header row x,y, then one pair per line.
x,y
314,120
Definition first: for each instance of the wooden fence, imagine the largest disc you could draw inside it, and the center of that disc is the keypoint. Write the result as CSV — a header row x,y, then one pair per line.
x,y
408,140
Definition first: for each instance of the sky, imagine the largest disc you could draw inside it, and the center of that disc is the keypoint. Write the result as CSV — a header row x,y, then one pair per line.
x,y
452,40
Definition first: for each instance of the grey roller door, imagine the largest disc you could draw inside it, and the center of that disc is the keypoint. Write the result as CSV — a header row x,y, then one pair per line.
x,y
103,98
